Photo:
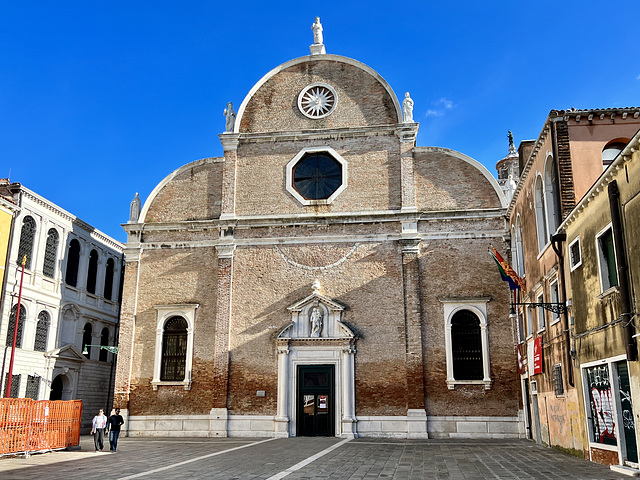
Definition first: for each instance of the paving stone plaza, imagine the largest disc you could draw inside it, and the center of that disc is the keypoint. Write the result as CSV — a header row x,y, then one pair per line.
x,y
306,458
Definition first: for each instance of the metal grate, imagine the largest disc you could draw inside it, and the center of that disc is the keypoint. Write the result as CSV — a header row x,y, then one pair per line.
x,y
33,387
15,385
558,382
174,349
27,236
50,254
42,332
466,346
12,325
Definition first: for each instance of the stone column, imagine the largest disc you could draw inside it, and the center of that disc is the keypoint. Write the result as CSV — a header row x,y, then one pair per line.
x,y
349,421
416,413
218,414
282,415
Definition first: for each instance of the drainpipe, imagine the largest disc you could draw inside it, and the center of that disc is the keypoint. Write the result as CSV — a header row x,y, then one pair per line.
x,y
556,240
623,269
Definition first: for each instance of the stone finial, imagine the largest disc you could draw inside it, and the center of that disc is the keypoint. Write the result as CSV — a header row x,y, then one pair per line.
x,y
318,42
134,209
407,109
316,286
230,122
512,147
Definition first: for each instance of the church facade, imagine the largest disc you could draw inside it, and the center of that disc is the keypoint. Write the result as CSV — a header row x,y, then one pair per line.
x,y
325,277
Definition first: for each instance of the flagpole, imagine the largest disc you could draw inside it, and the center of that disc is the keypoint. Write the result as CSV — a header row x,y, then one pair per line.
x,y
15,333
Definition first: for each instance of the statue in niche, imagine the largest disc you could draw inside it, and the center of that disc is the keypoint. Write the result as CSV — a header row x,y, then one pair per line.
x,y
315,321
317,32
230,113
407,109
134,210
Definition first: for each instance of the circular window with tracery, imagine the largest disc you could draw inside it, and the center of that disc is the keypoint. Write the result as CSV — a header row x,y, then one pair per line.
x,y
317,100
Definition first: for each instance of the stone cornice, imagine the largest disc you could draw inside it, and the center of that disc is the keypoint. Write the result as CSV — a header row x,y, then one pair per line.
x,y
322,134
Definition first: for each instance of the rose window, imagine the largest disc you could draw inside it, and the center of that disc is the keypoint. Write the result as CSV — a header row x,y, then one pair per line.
x,y
317,100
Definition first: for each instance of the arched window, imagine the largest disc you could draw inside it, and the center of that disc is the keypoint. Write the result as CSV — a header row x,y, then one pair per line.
x,y
611,151
541,218
73,261
92,272
12,325
42,332
86,340
50,254
550,190
104,341
466,346
174,349
108,279
514,249
27,237
519,248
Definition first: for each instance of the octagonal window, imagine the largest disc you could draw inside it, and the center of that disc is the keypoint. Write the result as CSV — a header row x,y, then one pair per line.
x,y
316,175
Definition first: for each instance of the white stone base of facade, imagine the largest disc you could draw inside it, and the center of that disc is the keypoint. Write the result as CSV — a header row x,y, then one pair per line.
x,y
415,425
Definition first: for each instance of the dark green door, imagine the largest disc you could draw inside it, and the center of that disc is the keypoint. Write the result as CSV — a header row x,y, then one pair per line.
x,y
315,401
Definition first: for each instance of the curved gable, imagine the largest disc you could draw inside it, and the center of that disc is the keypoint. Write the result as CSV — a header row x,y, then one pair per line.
x,y
449,180
364,97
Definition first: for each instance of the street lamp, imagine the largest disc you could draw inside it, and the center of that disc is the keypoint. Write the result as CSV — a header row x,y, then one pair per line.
x,y
108,348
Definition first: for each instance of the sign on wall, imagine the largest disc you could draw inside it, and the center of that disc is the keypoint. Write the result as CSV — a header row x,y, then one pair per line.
x,y
537,355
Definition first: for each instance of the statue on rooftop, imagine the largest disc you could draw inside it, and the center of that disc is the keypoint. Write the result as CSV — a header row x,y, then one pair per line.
x,y
512,147
317,32
134,210
407,109
230,113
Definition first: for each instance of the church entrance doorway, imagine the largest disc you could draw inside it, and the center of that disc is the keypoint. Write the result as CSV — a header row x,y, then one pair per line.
x,y
315,401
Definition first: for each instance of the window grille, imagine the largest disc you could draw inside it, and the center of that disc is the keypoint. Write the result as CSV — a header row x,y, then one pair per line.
x,y
15,385
12,325
466,345
42,332
108,279
557,380
73,260
174,349
86,340
104,340
33,387
93,272
27,237
50,254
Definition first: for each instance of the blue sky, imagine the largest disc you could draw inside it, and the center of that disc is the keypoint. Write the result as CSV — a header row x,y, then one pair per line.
x,y
100,100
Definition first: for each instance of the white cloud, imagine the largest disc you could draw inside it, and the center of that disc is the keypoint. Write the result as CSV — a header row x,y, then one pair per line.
x,y
440,107
638,77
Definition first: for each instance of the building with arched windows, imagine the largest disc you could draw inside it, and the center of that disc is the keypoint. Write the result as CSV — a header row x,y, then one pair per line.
x,y
556,344
325,276
70,300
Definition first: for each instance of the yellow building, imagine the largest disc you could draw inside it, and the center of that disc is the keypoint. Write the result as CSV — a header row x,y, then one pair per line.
x,y
602,232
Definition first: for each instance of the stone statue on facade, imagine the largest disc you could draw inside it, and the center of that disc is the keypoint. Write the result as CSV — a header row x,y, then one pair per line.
x,y
407,109
315,320
134,209
317,32
512,147
230,113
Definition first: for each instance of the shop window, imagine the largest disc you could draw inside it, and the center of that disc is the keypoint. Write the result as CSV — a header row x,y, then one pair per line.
x,y
607,260
50,254
73,262
92,272
11,325
42,332
27,238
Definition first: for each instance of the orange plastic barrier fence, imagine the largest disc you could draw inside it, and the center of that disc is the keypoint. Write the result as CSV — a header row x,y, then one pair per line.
x,y
31,426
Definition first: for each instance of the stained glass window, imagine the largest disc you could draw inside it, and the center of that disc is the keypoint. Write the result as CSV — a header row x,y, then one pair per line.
x,y
108,279
50,254
27,237
174,349
73,260
12,325
42,332
466,345
316,176
93,272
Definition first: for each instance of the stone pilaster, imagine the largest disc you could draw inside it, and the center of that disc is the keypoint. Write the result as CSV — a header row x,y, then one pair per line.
x,y
230,146
282,416
407,177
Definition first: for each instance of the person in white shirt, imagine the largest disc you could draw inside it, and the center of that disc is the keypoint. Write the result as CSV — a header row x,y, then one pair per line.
x,y
98,425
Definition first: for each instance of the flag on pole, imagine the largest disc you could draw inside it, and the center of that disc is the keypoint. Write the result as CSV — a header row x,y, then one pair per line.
x,y
506,272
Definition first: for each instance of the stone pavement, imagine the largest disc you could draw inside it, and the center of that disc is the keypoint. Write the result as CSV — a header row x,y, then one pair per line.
x,y
306,458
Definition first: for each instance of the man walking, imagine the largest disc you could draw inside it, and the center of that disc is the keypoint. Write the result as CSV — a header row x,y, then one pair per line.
x,y
114,429
98,424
